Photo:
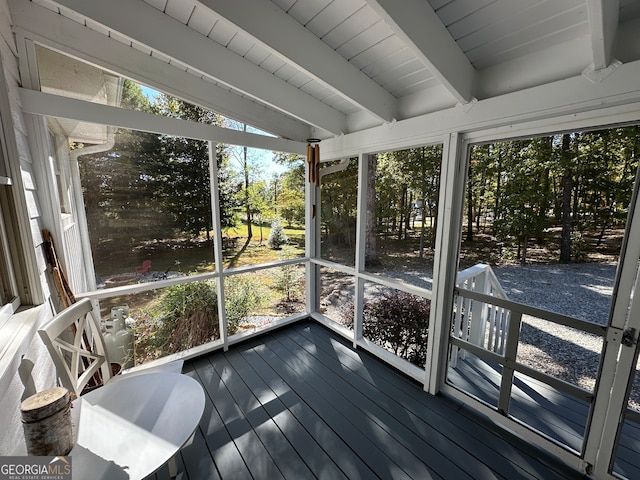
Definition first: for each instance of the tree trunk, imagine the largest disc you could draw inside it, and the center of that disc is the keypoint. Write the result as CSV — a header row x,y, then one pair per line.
x,y
567,189
371,246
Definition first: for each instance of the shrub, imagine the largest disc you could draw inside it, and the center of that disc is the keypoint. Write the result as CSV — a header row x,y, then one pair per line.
x,y
243,295
185,317
397,321
288,278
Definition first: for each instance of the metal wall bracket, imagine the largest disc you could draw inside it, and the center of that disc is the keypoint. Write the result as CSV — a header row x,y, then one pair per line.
x,y
629,338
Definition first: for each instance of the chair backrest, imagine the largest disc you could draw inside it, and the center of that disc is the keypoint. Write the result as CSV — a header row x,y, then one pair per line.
x,y
145,268
76,345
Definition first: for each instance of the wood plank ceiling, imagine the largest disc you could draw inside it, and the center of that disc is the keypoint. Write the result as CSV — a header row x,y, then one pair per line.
x,y
323,68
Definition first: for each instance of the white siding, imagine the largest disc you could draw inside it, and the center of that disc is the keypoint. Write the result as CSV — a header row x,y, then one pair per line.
x,y
36,371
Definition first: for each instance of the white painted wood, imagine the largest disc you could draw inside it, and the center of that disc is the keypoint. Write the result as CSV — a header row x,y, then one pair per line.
x,y
305,10
19,169
619,361
39,103
450,201
418,25
181,10
572,97
217,240
300,47
603,19
362,19
549,31
202,20
504,18
160,32
361,235
331,16
62,34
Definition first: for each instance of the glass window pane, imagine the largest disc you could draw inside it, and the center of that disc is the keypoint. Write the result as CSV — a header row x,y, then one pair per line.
x,y
404,215
163,321
339,196
264,212
257,299
397,321
337,291
148,208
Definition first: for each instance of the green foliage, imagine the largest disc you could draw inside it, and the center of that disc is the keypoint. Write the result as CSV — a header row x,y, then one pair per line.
x,y
529,185
184,317
288,278
181,181
243,296
277,237
289,201
397,321
338,209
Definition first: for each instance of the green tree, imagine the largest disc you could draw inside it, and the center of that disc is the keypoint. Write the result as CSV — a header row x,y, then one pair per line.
x,y
277,237
182,181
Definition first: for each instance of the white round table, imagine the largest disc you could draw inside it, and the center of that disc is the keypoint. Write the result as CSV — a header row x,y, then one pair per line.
x,y
130,427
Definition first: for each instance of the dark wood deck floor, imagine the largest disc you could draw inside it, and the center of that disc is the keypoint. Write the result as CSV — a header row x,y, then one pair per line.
x,y
300,403
544,408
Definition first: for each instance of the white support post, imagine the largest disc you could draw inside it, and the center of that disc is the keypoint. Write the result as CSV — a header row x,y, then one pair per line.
x,y
217,242
452,178
618,362
476,324
361,233
312,242
511,353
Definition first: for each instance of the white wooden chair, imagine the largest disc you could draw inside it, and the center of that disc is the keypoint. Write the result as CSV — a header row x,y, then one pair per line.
x,y
75,343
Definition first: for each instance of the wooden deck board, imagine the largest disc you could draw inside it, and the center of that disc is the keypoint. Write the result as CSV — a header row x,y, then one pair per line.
x,y
547,410
299,402
432,413
404,448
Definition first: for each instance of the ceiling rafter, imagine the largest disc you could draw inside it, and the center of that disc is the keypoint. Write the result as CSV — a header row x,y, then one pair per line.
x,y
417,24
158,31
268,25
55,31
603,20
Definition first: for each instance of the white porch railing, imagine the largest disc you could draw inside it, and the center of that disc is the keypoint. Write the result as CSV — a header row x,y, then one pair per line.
x,y
477,322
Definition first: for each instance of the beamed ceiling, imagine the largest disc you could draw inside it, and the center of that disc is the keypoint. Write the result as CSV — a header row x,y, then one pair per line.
x,y
327,68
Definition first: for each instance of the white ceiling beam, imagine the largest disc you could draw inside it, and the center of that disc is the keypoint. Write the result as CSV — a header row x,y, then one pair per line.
x,y
603,21
39,103
290,41
555,106
419,26
62,34
158,31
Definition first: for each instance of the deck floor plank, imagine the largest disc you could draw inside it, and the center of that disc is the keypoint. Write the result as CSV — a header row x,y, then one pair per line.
x,y
299,402
246,439
431,448
276,443
347,424
328,441
434,412
224,451
307,448
447,437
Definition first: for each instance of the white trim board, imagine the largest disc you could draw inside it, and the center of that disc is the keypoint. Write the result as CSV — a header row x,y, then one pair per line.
x,y
39,103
